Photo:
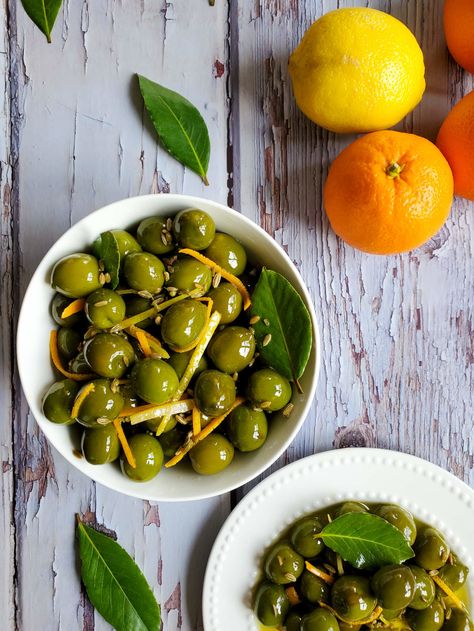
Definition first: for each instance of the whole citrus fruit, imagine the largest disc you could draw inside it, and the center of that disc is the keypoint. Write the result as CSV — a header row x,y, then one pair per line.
x,y
459,30
388,192
357,70
456,141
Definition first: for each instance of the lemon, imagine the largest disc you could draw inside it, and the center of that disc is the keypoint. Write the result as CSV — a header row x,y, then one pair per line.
x,y
357,70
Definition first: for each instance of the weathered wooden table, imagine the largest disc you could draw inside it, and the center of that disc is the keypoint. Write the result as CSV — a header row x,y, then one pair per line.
x,y
397,332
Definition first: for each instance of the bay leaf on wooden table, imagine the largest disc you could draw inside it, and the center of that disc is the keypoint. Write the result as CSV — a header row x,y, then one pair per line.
x,y
43,13
366,541
108,251
283,333
179,125
114,583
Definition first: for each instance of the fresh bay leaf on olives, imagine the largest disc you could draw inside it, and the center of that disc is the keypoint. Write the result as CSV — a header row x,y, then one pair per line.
x,y
114,583
179,125
283,332
366,541
109,253
43,13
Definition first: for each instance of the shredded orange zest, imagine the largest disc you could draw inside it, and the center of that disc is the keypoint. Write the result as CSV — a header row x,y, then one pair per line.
x,y
143,341
448,591
141,408
79,400
53,350
155,344
74,307
238,284
192,442
164,409
124,442
185,349
196,421
292,596
327,578
375,615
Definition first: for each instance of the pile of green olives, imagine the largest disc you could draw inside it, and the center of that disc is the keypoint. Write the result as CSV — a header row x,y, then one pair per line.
x,y
308,587
97,353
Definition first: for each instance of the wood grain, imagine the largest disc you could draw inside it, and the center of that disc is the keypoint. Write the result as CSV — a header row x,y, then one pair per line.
x,y
397,332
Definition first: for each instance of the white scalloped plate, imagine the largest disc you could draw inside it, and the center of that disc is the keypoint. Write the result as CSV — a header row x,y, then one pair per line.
x,y
374,475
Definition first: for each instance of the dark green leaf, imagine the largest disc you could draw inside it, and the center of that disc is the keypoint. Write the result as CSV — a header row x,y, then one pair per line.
x,y
114,583
110,255
366,541
179,125
284,316
43,13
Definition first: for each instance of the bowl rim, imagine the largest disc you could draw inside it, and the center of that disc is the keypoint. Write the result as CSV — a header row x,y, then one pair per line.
x,y
185,200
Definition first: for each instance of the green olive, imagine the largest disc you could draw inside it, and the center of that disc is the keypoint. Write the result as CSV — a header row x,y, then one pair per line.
x,y
148,456
100,445
193,228
76,275
247,428
314,589
352,598
232,349
105,308
400,518
214,392
101,403
180,362
271,604
78,364
144,272
293,621
454,573
171,441
394,586
268,389
211,455
58,401
135,305
228,253
126,244
154,380
68,343
227,300
303,536
183,323
58,304
282,564
457,620
429,619
351,507
319,620
431,549
425,589
109,354
154,236
187,275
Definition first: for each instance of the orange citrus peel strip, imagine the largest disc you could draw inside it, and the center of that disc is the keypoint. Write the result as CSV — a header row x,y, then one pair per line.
x,y
204,433
53,350
292,596
233,280
74,307
143,342
165,409
327,578
79,400
196,421
155,344
448,591
141,408
124,442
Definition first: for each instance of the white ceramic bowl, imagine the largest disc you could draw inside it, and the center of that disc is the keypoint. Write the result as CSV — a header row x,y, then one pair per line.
x,y
434,496
180,483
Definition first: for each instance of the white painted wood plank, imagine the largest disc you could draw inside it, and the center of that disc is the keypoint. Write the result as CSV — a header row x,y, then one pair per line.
x,y
397,366
85,143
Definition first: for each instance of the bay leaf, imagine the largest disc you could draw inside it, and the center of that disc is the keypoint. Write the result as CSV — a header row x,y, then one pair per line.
x,y
285,318
43,13
179,125
109,253
366,541
114,583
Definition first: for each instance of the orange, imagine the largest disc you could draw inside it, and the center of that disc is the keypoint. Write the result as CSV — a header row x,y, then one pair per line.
x,y
459,30
456,141
388,192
